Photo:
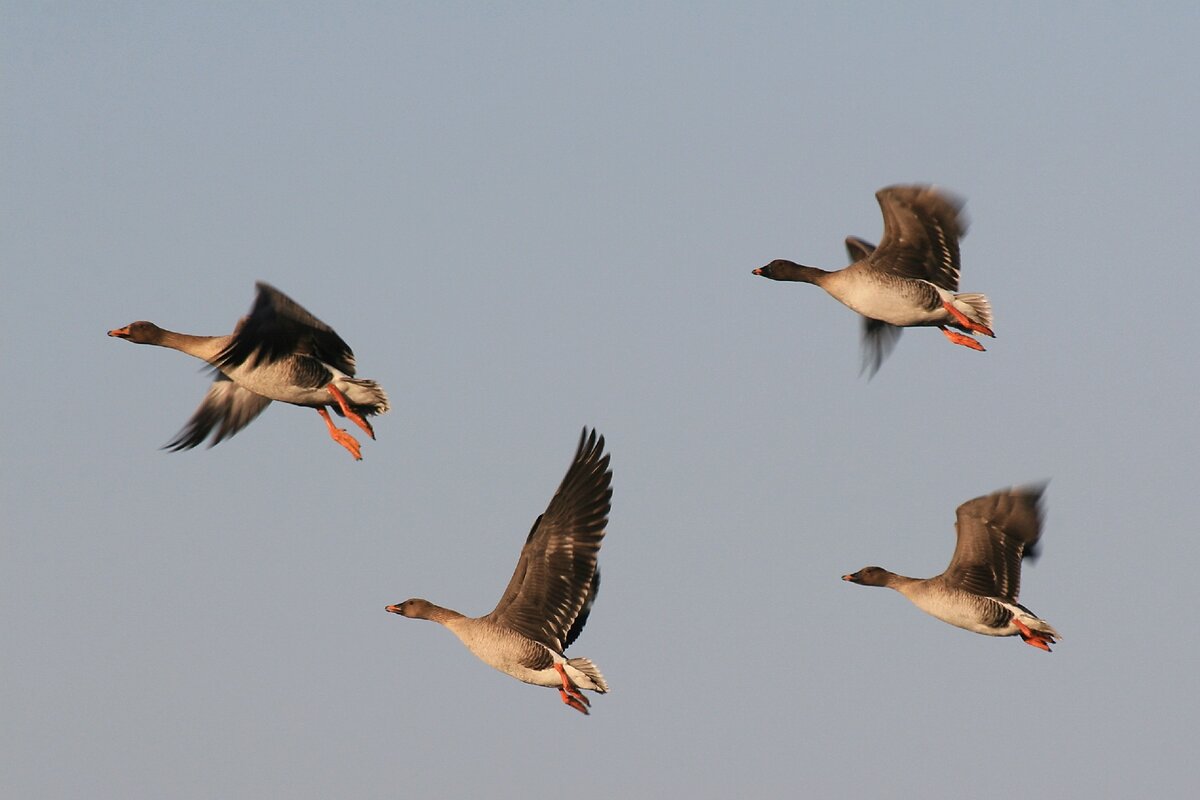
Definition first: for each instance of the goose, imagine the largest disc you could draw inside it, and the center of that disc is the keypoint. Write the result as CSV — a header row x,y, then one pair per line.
x,y
280,352
550,595
978,591
909,280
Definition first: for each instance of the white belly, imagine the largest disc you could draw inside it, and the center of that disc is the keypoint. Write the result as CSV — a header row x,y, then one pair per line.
x,y
901,304
960,615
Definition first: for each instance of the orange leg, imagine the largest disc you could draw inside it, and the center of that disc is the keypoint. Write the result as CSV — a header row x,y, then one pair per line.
x,y
1031,638
570,693
966,322
960,338
351,415
341,437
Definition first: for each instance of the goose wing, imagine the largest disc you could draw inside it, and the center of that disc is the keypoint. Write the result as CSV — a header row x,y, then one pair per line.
x,y
995,532
227,407
858,249
550,592
878,337
277,328
921,229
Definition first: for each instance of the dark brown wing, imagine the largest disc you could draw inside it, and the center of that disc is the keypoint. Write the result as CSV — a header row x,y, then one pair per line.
x,y
994,533
581,619
549,594
278,327
921,229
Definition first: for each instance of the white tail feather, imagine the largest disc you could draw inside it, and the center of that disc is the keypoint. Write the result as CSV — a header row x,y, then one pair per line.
x,y
976,307
362,392
589,670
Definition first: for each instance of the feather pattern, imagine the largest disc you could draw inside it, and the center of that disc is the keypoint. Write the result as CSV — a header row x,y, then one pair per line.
x,y
555,574
995,533
921,229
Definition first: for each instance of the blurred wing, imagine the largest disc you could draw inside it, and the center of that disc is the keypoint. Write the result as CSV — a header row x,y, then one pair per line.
x,y
278,327
878,339
227,407
994,533
550,591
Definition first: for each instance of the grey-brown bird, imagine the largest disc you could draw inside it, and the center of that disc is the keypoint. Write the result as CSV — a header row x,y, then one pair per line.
x,y
550,594
909,280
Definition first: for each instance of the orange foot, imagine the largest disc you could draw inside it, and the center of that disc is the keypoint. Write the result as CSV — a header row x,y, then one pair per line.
x,y
961,338
1031,638
966,322
350,413
570,693
341,437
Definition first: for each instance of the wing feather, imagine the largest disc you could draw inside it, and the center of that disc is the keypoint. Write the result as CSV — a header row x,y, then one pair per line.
x,y
550,592
226,407
278,327
995,532
921,229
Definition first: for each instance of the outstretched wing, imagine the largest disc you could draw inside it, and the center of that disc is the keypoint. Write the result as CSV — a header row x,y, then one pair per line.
x,y
550,592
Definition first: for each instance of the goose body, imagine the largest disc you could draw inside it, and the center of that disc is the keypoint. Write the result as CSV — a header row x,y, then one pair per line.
x,y
277,352
550,595
909,280
978,590
522,657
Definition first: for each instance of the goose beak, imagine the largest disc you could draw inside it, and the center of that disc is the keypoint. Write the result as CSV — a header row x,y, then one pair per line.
x,y
120,333
393,609
848,578
758,271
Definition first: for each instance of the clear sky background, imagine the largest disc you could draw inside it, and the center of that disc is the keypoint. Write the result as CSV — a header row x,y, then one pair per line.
x,y
529,218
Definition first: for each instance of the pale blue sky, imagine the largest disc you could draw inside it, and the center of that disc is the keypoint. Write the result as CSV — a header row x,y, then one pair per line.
x,y
528,218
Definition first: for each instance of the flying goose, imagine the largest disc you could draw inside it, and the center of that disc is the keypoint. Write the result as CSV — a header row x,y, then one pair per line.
x,y
550,594
909,280
978,591
278,352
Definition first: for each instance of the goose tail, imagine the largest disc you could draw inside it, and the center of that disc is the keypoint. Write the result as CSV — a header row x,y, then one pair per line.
x,y
591,672
367,397
976,306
